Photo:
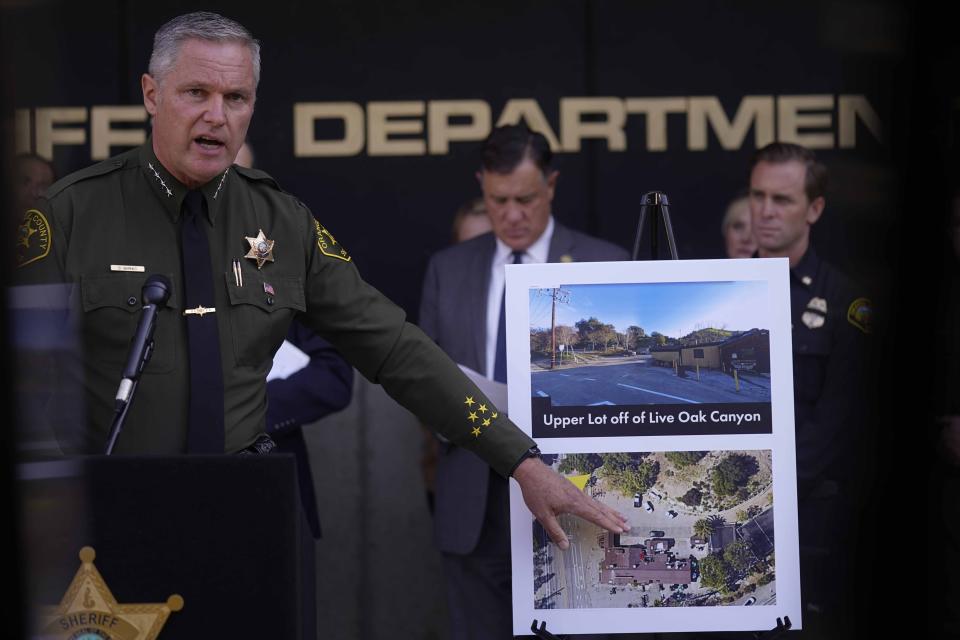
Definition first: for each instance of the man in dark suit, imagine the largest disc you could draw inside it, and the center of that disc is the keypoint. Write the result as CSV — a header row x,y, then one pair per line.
x,y
322,386
462,309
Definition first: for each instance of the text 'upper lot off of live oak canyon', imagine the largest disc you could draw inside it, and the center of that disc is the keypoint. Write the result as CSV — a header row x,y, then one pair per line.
x,y
701,532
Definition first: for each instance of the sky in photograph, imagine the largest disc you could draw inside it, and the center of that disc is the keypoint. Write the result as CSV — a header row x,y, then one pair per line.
x,y
671,308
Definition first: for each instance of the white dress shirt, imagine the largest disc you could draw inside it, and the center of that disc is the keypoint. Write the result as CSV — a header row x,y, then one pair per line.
x,y
503,255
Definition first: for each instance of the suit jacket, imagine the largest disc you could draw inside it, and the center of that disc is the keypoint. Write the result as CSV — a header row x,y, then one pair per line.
x,y
322,387
453,311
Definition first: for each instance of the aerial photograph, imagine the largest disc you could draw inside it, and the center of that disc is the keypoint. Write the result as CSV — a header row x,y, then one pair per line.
x,y
701,532
650,343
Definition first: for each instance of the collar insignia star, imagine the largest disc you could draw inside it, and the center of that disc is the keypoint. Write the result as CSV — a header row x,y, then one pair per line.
x,y
261,249
89,610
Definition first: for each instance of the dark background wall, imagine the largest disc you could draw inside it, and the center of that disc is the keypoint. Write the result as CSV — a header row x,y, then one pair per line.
x,y
884,222
392,212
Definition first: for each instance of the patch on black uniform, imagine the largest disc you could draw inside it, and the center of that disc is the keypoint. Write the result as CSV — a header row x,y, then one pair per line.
x,y
860,315
33,238
328,244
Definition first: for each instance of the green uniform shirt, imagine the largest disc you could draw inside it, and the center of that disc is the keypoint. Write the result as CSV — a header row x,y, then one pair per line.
x,y
125,212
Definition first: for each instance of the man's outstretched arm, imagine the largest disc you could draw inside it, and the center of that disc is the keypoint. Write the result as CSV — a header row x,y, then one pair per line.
x,y
548,495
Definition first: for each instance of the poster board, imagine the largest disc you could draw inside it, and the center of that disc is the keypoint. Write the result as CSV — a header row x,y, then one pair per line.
x,y
672,402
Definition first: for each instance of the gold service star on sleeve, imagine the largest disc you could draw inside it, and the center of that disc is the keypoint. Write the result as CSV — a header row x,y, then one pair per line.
x,y
482,408
494,415
476,432
472,417
469,401
261,249
486,422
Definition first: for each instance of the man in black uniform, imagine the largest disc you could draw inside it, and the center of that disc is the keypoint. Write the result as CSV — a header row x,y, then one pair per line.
x,y
244,259
831,318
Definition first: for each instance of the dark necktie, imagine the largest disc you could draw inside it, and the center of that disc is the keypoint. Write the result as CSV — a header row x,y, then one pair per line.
x,y
205,418
500,361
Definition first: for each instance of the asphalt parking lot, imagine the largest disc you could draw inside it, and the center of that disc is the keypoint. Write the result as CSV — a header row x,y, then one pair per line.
x,y
640,382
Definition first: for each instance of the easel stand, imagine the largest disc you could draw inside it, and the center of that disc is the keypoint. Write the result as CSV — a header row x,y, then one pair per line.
x,y
654,207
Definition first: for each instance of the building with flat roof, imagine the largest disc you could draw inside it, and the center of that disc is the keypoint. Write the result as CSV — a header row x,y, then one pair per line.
x,y
634,564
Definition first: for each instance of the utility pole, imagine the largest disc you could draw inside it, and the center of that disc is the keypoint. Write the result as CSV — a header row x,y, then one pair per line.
x,y
564,297
553,331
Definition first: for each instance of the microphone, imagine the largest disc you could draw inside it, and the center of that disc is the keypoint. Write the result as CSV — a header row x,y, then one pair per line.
x,y
155,294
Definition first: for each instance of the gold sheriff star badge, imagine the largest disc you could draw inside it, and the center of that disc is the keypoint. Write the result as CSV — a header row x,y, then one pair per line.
x,y
89,610
261,249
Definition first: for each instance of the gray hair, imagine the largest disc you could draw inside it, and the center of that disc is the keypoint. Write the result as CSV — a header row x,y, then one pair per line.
x,y
200,25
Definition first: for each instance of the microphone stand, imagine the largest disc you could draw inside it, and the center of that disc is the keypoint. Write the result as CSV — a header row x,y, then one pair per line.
x,y
120,413
155,293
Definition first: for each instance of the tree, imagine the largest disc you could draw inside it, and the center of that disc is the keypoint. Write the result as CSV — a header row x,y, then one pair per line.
x,y
715,573
629,473
586,328
685,458
658,338
582,462
702,528
705,335
739,557
733,473
634,335
692,498
567,335
540,341
605,334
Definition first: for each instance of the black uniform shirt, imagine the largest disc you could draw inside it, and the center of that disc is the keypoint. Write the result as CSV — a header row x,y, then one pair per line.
x,y
830,319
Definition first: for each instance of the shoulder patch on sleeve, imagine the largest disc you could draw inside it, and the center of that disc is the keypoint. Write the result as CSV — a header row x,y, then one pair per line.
x,y
860,314
328,244
34,238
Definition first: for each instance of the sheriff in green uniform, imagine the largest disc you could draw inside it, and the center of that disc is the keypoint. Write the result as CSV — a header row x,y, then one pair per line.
x,y
106,228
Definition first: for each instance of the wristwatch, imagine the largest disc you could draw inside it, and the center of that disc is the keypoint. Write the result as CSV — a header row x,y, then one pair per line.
x,y
532,452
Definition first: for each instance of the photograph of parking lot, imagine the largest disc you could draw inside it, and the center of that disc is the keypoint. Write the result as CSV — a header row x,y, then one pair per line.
x,y
673,345
701,532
